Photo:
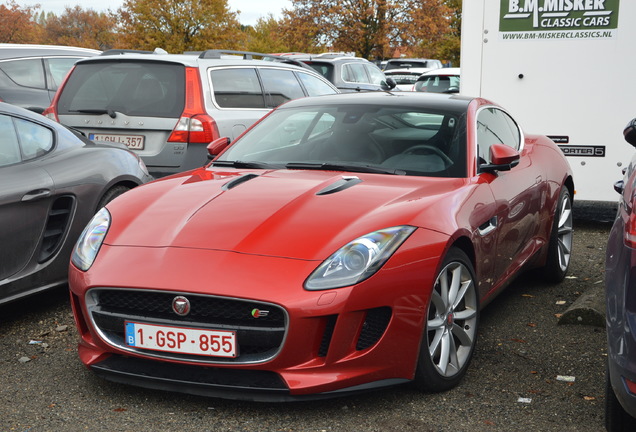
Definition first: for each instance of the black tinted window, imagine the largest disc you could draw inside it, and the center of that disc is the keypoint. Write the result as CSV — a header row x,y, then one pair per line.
x,y
495,127
237,88
280,86
143,89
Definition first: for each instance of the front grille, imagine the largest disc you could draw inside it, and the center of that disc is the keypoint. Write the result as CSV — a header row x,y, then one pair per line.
x,y
259,339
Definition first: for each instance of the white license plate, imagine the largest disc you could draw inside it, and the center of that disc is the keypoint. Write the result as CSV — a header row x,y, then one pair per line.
x,y
216,343
133,142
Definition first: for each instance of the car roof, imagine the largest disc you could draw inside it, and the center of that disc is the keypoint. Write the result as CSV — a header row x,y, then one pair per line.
x,y
450,102
444,71
8,51
415,70
198,58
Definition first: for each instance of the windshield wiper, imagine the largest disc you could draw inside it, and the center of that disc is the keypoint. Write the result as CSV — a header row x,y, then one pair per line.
x,y
110,112
241,164
327,166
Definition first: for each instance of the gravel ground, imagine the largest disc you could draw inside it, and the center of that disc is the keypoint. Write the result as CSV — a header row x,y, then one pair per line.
x,y
513,383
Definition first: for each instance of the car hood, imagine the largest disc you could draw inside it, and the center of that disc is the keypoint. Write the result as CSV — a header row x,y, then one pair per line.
x,y
287,213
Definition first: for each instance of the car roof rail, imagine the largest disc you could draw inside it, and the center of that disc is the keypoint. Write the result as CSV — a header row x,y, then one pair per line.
x,y
249,55
131,51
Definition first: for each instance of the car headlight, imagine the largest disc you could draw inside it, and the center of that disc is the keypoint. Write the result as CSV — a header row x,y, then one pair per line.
x,y
359,259
90,240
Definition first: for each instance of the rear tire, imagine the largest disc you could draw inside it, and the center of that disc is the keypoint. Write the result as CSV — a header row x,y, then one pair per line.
x,y
560,247
111,194
450,333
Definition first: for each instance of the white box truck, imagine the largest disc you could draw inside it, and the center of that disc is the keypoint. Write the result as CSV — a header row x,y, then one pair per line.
x,y
562,68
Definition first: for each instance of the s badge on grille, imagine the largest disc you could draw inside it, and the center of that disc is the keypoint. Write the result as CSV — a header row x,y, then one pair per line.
x,y
257,313
181,305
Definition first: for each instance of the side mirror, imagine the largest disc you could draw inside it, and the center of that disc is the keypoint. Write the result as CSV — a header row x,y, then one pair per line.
x,y
630,132
389,84
217,146
503,158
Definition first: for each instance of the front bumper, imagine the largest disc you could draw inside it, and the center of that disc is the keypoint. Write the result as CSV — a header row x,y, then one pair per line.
x,y
335,342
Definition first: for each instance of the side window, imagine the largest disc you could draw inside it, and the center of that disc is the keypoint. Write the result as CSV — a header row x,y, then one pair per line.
x,y
59,67
354,72
314,86
26,72
9,147
377,77
493,128
280,86
35,139
237,88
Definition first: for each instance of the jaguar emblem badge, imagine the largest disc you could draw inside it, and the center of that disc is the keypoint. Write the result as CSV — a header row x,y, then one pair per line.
x,y
181,305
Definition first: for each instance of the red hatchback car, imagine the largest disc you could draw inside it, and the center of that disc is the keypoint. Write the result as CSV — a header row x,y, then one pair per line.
x,y
343,243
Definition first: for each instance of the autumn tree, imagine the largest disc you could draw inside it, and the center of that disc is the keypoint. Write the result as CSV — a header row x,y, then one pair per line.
x,y
371,28
179,25
79,27
18,25
265,36
449,47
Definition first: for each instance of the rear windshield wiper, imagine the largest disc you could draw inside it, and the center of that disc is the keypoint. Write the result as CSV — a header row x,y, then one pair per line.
x,y
110,112
241,164
343,167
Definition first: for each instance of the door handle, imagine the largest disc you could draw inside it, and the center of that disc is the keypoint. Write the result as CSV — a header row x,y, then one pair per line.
x,y
487,227
36,195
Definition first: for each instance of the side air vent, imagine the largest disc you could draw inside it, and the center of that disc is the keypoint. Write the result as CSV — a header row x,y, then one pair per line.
x,y
326,336
375,324
57,224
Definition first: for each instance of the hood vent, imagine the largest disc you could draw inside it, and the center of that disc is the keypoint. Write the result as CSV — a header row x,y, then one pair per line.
x,y
237,181
340,185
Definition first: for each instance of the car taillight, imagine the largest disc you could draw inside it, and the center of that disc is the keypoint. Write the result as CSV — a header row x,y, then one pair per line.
x,y
630,230
194,125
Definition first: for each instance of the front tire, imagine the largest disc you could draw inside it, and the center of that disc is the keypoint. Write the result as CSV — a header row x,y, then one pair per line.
x,y
616,418
560,248
450,333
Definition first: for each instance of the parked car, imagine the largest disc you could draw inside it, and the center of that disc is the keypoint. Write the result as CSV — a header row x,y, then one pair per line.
x,y
405,79
335,233
444,80
30,74
52,183
408,63
620,285
348,73
168,107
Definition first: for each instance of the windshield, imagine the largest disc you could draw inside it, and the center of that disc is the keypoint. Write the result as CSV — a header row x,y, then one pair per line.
x,y
363,138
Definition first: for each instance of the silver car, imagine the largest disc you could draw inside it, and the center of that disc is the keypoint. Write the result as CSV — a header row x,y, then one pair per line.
x,y
168,108
52,181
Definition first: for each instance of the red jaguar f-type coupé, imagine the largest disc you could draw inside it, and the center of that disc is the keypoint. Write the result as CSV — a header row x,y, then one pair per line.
x,y
342,244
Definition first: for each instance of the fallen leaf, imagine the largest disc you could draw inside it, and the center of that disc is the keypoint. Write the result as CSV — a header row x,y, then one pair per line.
x,y
531,325
120,409
589,398
527,295
558,315
518,340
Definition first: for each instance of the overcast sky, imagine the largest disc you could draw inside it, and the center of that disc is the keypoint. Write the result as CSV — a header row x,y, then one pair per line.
x,y
251,10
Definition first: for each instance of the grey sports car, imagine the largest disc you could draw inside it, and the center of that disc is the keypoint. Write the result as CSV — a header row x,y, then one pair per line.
x,y
52,181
